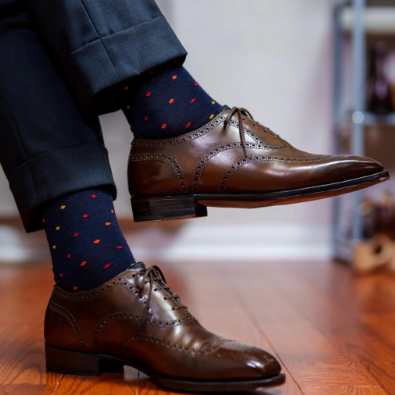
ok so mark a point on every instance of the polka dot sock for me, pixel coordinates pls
(86, 242)
(166, 102)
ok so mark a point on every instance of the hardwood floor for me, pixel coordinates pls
(334, 333)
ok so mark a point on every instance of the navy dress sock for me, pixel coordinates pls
(86, 242)
(166, 102)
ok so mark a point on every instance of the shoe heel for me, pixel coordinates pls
(166, 208)
(74, 362)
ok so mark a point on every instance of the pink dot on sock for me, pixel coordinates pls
(75, 288)
(85, 216)
(108, 265)
(145, 118)
(61, 275)
(69, 256)
(196, 84)
(119, 247)
(93, 196)
(193, 100)
(148, 94)
(76, 234)
(188, 125)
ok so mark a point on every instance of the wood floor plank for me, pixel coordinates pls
(339, 304)
(344, 391)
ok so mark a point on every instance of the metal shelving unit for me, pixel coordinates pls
(358, 118)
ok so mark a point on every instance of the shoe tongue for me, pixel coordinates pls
(224, 108)
(137, 266)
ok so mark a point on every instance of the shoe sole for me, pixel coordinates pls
(162, 208)
(64, 361)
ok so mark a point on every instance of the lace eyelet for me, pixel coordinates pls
(164, 298)
(173, 308)
(155, 290)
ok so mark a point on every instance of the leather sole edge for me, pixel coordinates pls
(161, 208)
(63, 361)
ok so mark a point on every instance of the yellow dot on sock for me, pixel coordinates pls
(213, 102)
(53, 247)
(57, 228)
(62, 207)
(211, 116)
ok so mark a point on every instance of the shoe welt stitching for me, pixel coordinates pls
(264, 158)
(58, 309)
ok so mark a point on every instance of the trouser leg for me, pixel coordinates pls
(99, 44)
(47, 148)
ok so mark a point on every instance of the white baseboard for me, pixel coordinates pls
(238, 242)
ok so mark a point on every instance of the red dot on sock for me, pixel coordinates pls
(75, 288)
(112, 211)
(96, 241)
(119, 247)
(83, 263)
(69, 256)
(193, 100)
(93, 196)
(151, 72)
(148, 94)
(124, 238)
(174, 77)
(163, 126)
(85, 216)
(196, 84)
(43, 220)
(108, 223)
(76, 234)
(108, 265)
(145, 118)
(61, 275)
(188, 125)
(171, 101)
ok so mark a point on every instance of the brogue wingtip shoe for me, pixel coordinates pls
(136, 319)
(234, 161)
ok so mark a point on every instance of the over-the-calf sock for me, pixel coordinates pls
(166, 102)
(86, 242)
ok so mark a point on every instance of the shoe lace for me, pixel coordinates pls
(242, 113)
(156, 279)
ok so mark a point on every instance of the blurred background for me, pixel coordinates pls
(319, 73)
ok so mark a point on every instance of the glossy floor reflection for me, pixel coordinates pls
(333, 332)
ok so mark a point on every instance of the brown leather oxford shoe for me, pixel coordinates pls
(136, 319)
(234, 161)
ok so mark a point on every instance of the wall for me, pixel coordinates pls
(274, 58)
